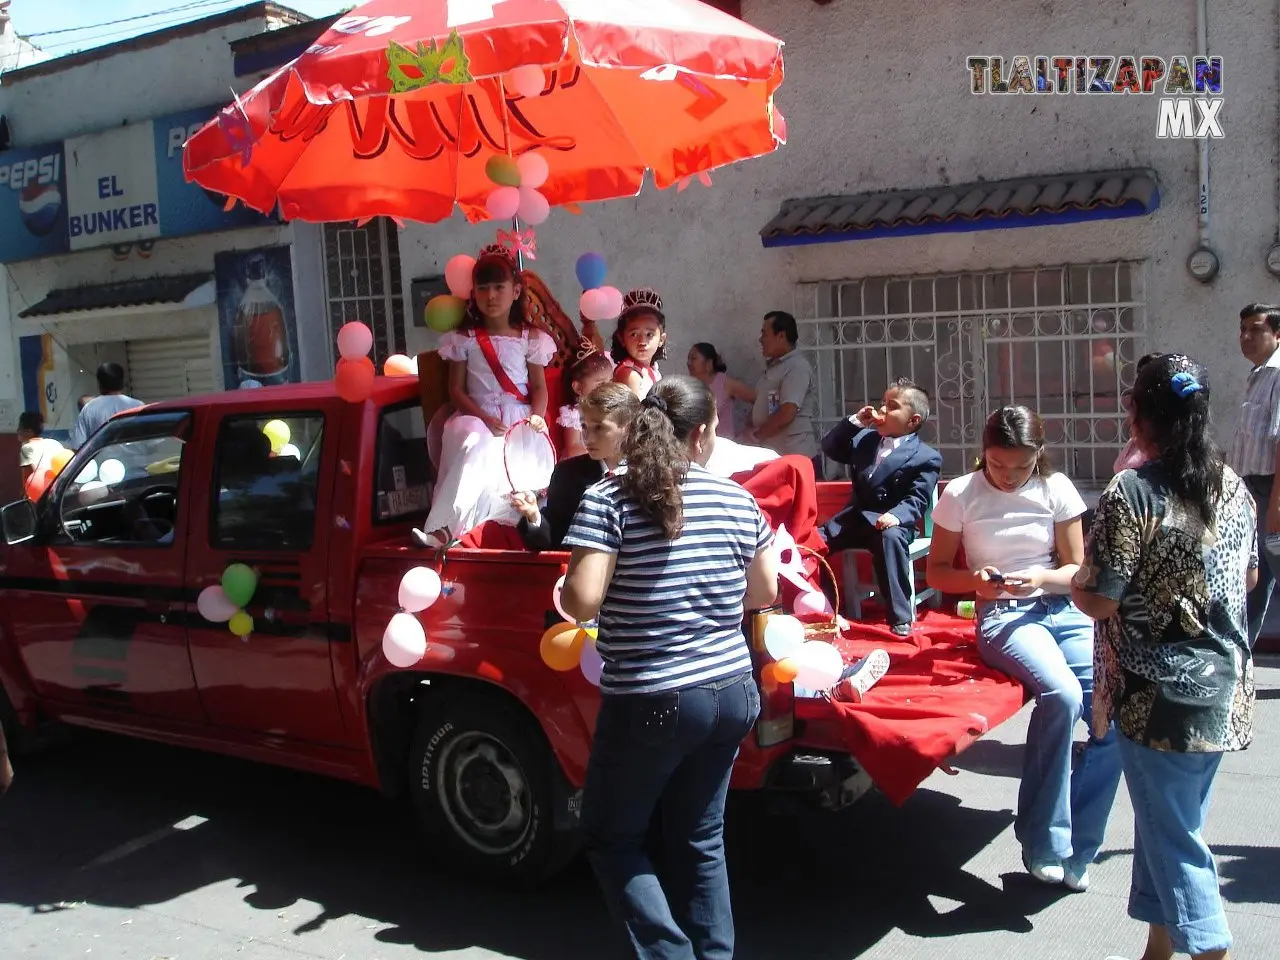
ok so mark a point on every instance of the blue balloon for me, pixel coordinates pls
(591, 270)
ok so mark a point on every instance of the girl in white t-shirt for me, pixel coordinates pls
(1019, 524)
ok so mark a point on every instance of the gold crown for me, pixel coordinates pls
(642, 297)
(585, 349)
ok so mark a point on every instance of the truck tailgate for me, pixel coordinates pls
(937, 698)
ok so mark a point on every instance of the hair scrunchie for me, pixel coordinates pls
(654, 402)
(1184, 384)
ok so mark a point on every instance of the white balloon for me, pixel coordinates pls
(89, 473)
(404, 642)
(819, 665)
(289, 450)
(419, 589)
(95, 491)
(783, 636)
(111, 471)
(555, 599)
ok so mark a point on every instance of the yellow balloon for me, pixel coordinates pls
(561, 646)
(241, 624)
(278, 433)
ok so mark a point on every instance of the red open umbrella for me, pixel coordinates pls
(398, 108)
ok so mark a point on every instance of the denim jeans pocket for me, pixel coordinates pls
(655, 718)
(753, 700)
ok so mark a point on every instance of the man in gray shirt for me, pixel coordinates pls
(102, 408)
(781, 417)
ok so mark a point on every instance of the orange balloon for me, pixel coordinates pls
(354, 379)
(561, 646)
(398, 365)
(59, 461)
(785, 671)
(768, 678)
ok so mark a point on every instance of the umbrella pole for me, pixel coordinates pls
(515, 227)
(506, 136)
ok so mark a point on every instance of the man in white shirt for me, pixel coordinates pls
(782, 415)
(36, 453)
(102, 408)
(1253, 447)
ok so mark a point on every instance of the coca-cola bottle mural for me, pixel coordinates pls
(261, 338)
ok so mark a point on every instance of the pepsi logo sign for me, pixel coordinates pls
(34, 170)
(40, 206)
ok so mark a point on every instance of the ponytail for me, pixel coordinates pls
(1171, 409)
(656, 449)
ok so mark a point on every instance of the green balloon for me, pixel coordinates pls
(238, 583)
(444, 313)
(502, 170)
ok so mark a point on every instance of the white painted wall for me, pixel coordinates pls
(876, 97)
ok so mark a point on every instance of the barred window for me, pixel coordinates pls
(1062, 340)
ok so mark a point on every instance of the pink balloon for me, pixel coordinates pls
(534, 208)
(419, 589)
(457, 273)
(404, 642)
(814, 604)
(503, 203)
(214, 604)
(594, 305)
(533, 170)
(612, 302)
(355, 340)
(591, 664)
(527, 80)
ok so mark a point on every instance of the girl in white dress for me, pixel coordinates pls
(640, 341)
(588, 371)
(496, 380)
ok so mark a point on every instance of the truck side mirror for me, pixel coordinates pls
(19, 521)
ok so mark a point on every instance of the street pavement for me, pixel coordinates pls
(120, 850)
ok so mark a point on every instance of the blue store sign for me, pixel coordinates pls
(112, 187)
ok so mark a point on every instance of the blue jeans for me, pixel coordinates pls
(1047, 644)
(1175, 881)
(1259, 598)
(670, 754)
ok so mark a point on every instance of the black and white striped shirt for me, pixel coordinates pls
(672, 614)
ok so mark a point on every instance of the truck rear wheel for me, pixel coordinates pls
(480, 777)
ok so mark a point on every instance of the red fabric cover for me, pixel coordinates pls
(937, 698)
(492, 535)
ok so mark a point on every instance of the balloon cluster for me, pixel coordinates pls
(445, 312)
(43, 479)
(278, 432)
(516, 181)
(225, 602)
(404, 642)
(814, 664)
(96, 482)
(598, 302)
(571, 644)
(355, 374)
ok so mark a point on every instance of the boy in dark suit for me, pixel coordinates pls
(894, 476)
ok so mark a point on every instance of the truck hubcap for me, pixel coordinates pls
(485, 795)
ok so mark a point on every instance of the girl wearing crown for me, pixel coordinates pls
(640, 341)
(588, 371)
(496, 380)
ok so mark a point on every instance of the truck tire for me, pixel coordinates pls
(480, 779)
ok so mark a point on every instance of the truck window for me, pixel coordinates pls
(266, 488)
(127, 492)
(403, 487)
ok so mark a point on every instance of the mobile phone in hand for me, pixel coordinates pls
(995, 577)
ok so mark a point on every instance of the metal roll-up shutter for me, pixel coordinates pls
(168, 369)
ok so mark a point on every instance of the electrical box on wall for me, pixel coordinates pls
(420, 291)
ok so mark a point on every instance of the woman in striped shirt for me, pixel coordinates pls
(669, 557)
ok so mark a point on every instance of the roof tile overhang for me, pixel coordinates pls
(152, 291)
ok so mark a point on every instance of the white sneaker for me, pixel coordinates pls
(1046, 871)
(869, 671)
(1077, 882)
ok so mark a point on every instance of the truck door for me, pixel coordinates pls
(270, 509)
(96, 600)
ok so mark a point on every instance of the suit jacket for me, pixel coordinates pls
(569, 481)
(902, 484)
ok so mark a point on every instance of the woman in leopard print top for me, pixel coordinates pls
(1172, 553)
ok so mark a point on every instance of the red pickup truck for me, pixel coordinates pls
(99, 625)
